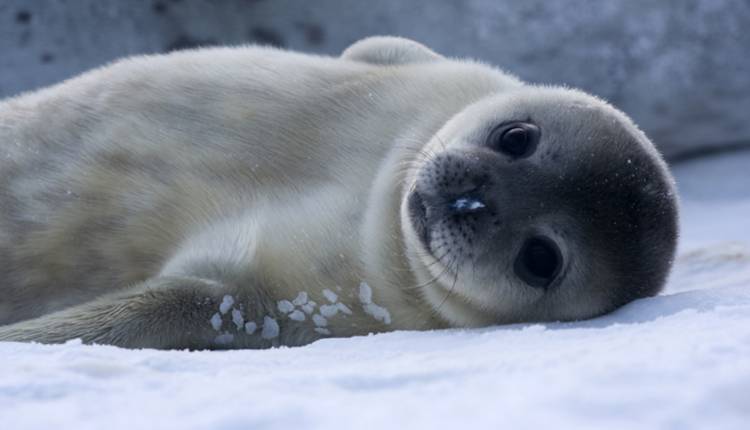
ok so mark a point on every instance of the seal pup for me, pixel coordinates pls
(251, 197)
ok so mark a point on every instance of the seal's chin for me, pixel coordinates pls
(418, 217)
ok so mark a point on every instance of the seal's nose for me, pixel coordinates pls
(454, 190)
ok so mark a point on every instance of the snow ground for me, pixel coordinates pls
(680, 360)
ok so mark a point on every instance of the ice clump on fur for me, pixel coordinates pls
(250, 327)
(297, 315)
(226, 304)
(329, 310)
(378, 312)
(285, 306)
(309, 307)
(343, 308)
(320, 320)
(216, 321)
(365, 293)
(301, 299)
(270, 328)
(238, 319)
(330, 295)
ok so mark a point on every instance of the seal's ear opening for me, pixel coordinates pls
(389, 50)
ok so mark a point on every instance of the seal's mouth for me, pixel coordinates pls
(418, 216)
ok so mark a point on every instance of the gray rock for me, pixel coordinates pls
(679, 67)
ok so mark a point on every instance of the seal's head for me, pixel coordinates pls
(536, 205)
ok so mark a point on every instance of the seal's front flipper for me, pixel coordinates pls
(163, 312)
(389, 50)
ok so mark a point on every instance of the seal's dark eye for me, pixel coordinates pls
(517, 140)
(539, 262)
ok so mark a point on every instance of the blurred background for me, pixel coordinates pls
(680, 68)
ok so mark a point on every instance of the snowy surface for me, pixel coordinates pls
(680, 360)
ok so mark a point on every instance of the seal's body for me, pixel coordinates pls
(250, 197)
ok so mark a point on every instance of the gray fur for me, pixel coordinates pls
(139, 197)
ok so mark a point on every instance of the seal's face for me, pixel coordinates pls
(544, 204)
